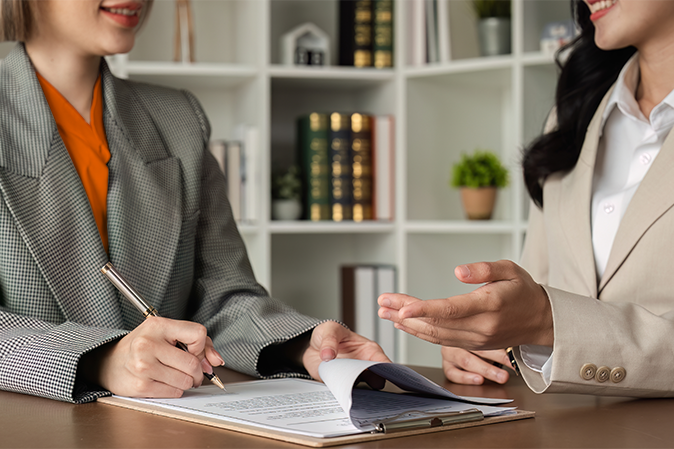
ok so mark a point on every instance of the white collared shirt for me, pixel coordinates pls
(628, 145)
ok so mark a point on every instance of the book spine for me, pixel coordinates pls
(382, 167)
(313, 152)
(340, 166)
(361, 167)
(382, 33)
(359, 300)
(355, 33)
(385, 282)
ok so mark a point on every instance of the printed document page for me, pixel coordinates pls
(310, 408)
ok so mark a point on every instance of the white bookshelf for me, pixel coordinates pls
(440, 111)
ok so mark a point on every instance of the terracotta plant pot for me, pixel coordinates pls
(478, 203)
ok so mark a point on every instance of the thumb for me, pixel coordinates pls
(326, 337)
(483, 272)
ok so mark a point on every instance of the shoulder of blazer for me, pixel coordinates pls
(174, 112)
(26, 122)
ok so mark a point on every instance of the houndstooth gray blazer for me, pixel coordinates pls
(170, 228)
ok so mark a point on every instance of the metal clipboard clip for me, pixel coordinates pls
(392, 425)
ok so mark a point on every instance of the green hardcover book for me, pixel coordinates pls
(382, 33)
(361, 166)
(313, 152)
(340, 166)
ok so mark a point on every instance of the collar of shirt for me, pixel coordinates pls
(624, 98)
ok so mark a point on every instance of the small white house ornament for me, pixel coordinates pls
(305, 44)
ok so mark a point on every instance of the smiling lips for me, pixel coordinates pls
(599, 8)
(126, 14)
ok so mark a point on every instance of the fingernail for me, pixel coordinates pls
(477, 379)
(386, 302)
(386, 315)
(463, 271)
(328, 354)
(207, 368)
(222, 361)
(501, 377)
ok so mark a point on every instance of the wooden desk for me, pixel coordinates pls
(561, 421)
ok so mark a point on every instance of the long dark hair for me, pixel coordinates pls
(585, 77)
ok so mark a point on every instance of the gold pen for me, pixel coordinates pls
(134, 297)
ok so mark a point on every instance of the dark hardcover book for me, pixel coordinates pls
(340, 166)
(361, 167)
(313, 152)
(355, 33)
(382, 33)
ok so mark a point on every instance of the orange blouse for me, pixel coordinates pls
(87, 145)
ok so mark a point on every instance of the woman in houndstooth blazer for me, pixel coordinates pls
(65, 332)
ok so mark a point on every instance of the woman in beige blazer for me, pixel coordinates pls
(591, 308)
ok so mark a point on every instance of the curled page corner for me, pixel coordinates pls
(340, 375)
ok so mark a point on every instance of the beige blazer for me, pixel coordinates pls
(626, 320)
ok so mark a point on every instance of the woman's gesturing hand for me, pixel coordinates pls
(147, 363)
(509, 310)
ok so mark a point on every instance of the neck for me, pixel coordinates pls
(73, 75)
(656, 67)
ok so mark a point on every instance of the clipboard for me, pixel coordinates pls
(307, 440)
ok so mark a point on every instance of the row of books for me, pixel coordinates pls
(366, 33)
(361, 286)
(347, 166)
(239, 161)
(429, 31)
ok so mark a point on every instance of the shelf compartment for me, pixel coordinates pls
(448, 115)
(291, 98)
(224, 32)
(306, 268)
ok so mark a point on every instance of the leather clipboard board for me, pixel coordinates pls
(302, 439)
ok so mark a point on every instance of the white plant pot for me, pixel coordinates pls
(286, 209)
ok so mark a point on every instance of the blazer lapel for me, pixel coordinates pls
(144, 197)
(46, 198)
(651, 200)
(575, 206)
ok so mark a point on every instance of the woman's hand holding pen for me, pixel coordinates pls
(147, 363)
(509, 310)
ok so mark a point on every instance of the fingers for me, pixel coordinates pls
(465, 367)
(396, 301)
(496, 355)
(482, 272)
(146, 362)
(456, 307)
(331, 340)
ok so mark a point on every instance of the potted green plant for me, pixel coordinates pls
(286, 194)
(479, 176)
(493, 26)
